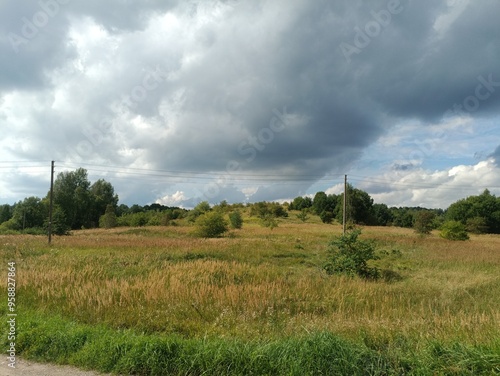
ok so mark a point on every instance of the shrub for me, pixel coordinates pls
(453, 230)
(236, 220)
(423, 224)
(327, 216)
(350, 256)
(303, 215)
(108, 219)
(211, 225)
(269, 221)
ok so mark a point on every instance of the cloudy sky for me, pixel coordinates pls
(246, 100)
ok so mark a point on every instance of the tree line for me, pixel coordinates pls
(78, 203)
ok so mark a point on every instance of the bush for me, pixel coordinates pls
(303, 215)
(236, 220)
(423, 224)
(453, 230)
(211, 225)
(350, 256)
(269, 221)
(327, 216)
(108, 219)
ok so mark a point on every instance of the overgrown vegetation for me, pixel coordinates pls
(211, 225)
(454, 230)
(351, 256)
(318, 353)
(82, 204)
(150, 299)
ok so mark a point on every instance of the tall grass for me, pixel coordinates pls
(260, 290)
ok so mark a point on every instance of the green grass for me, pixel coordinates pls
(124, 351)
(157, 301)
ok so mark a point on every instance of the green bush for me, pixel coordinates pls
(303, 215)
(108, 219)
(236, 220)
(327, 216)
(350, 256)
(454, 230)
(211, 225)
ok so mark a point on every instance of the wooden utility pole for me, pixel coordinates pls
(344, 218)
(51, 203)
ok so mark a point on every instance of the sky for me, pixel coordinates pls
(178, 102)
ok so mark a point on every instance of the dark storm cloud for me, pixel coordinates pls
(266, 86)
(417, 71)
(32, 42)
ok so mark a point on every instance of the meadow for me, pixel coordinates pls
(157, 300)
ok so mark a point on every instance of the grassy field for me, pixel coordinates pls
(156, 300)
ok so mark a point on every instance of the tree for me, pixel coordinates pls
(29, 213)
(102, 195)
(5, 213)
(200, 209)
(320, 202)
(82, 203)
(476, 225)
(485, 206)
(359, 207)
(300, 203)
(382, 215)
(402, 217)
(211, 225)
(71, 194)
(59, 222)
(424, 222)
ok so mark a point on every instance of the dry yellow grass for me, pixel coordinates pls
(261, 283)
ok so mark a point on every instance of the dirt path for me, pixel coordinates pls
(27, 368)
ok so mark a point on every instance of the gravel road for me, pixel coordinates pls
(27, 368)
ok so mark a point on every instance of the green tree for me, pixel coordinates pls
(476, 225)
(5, 213)
(402, 217)
(359, 207)
(59, 222)
(71, 194)
(424, 222)
(29, 213)
(300, 203)
(102, 195)
(485, 206)
(382, 215)
(324, 203)
(200, 209)
(211, 225)
(320, 203)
